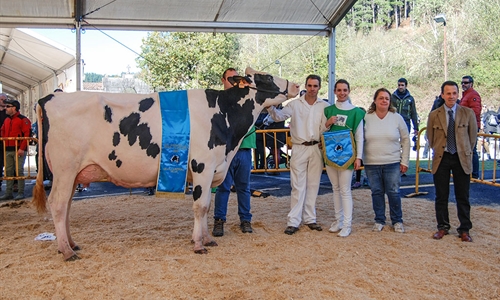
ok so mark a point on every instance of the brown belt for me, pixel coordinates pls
(311, 143)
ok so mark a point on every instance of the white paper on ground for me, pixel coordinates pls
(46, 236)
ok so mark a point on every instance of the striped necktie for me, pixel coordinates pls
(451, 144)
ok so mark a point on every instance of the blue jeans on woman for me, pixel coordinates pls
(385, 180)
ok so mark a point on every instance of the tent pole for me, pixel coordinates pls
(331, 65)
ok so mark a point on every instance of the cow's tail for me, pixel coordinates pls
(39, 195)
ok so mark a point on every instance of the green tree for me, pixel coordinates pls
(291, 56)
(183, 60)
(93, 77)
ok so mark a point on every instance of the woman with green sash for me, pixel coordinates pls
(342, 116)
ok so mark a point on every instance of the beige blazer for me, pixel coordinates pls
(465, 132)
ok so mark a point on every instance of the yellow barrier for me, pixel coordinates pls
(485, 141)
(285, 147)
(29, 170)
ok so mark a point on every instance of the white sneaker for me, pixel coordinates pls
(398, 227)
(345, 232)
(378, 227)
(336, 226)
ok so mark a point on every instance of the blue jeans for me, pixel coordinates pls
(385, 179)
(239, 173)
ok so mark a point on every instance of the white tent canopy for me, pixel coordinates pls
(305, 17)
(248, 16)
(28, 60)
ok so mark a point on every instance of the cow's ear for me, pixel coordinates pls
(240, 81)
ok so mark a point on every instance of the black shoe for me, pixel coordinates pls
(314, 226)
(218, 227)
(19, 197)
(291, 230)
(7, 197)
(246, 226)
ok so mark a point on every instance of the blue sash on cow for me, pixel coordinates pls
(175, 143)
(339, 149)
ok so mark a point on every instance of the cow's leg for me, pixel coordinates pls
(60, 204)
(201, 206)
(72, 243)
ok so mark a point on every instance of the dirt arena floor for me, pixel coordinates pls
(138, 247)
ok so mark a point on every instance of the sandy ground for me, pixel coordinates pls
(138, 247)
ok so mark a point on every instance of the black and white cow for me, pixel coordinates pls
(91, 136)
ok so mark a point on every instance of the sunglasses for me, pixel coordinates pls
(465, 82)
(9, 105)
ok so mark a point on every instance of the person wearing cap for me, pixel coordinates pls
(15, 125)
(3, 116)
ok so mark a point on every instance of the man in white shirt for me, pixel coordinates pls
(306, 164)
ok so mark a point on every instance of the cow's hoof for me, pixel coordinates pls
(75, 248)
(73, 258)
(211, 244)
(201, 251)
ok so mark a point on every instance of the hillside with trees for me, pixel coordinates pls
(378, 42)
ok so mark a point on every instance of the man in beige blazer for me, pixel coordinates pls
(452, 155)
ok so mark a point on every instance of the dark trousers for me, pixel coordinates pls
(475, 162)
(1, 162)
(260, 151)
(451, 163)
(47, 174)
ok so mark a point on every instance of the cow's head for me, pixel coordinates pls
(270, 90)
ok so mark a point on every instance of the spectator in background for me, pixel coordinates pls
(47, 174)
(306, 164)
(405, 105)
(239, 174)
(386, 156)
(472, 100)
(3, 116)
(15, 125)
(452, 134)
(275, 158)
(357, 178)
(260, 151)
(490, 125)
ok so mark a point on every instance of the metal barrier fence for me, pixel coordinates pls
(28, 170)
(487, 144)
(274, 154)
